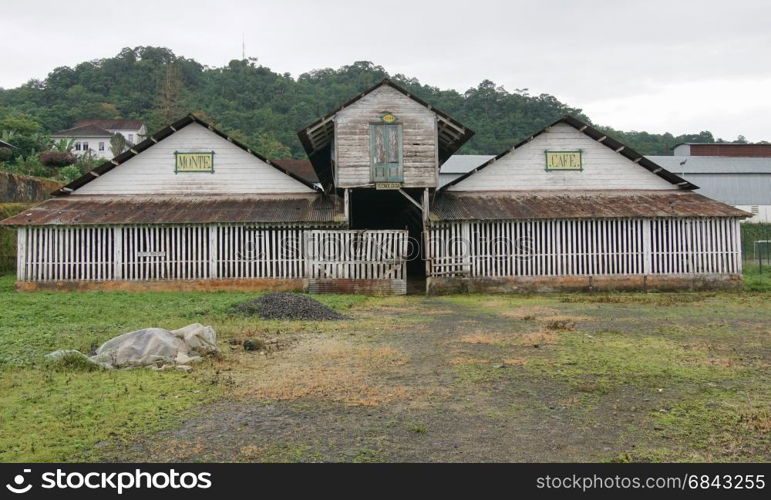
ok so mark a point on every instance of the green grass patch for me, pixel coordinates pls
(59, 411)
(605, 360)
(757, 278)
(49, 416)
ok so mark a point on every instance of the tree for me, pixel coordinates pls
(170, 101)
(117, 144)
(157, 86)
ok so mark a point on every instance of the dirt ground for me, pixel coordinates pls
(627, 377)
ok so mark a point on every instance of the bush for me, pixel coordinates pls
(57, 159)
(70, 173)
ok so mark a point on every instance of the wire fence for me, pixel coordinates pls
(756, 247)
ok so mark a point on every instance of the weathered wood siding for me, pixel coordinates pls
(152, 171)
(525, 167)
(419, 139)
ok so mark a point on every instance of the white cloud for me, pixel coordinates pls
(657, 64)
(726, 107)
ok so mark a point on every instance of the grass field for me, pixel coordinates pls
(600, 377)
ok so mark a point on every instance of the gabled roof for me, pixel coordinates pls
(301, 168)
(4, 144)
(158, 136)
(83, 131)
(111, 124)
(598, 136)
(317, 137)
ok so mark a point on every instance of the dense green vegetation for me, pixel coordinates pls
(259, 106)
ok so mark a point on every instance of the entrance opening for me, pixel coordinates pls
(387, 209)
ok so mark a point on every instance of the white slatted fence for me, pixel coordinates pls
(584, 247)
(357, 255)
(192, 252)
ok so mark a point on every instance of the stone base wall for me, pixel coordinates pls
(540, 284)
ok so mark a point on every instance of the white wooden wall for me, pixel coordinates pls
(525, 167)
(351, 254)
(187, 252)
(585, 247)
(152, 171)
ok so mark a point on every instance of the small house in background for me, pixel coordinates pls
(93, 136)
(736, 174)
(191, 207)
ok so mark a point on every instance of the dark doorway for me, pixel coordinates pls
(388, 209)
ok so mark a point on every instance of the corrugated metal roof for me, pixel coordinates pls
(577, 205)
(713, 164)
(735, 189)
(92, 210)
(119, 124)
(301, 168)
(736, 181)
(460, 164)
(447, 178)
(83, 131)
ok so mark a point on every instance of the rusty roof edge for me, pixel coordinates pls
(127, 209)
(644, 201)
(609, 142)
(157, 137)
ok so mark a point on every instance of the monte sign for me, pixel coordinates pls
(194, 162)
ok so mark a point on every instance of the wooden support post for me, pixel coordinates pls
(737, 244)
(411, 199)
(213, 250)
(425, 206)
(117, 252)
(646, 240)
(306, 253)
(347, 206)
(465, 248)
(21, 254)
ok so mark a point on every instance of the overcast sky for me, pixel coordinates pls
(678, 66)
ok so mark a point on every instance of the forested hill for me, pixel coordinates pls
(265, 109)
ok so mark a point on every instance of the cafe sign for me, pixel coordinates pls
(563, 160)
(194, 162)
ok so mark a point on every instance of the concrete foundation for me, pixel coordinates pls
(359, 286)
(541, 284)
(210, 285)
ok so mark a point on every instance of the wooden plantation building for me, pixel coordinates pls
(192, 208)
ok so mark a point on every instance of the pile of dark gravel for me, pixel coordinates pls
(287, 306)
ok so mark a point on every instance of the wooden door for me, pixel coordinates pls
(386, 152)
